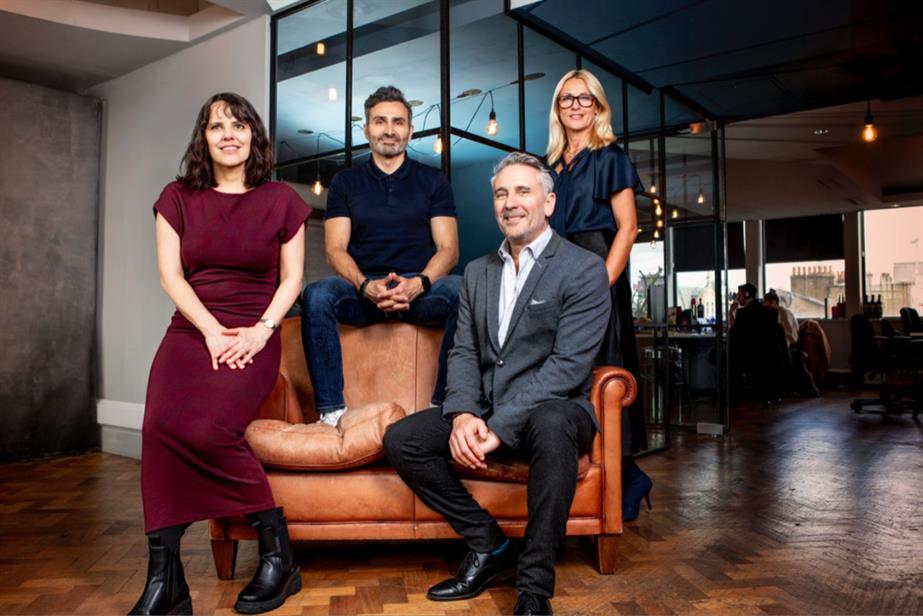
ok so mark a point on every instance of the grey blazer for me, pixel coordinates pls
(556, 329)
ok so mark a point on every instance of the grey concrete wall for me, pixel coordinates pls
(49, 173)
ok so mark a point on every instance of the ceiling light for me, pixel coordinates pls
(820, 131)
(437, 145)
(869, 132)
(355, 119)
(321, 48)
(653, 243)
(332, 93)
(471, 92)
(656, 235)
(700, 199)
(659, 223)
(675, 213)
(318, 188)
(696, 128)
(653, 188)
(895, 205)
(492, 127)
(415, 103)
(657, 209)
(529, 77)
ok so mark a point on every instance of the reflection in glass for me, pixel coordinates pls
(396, 43)
(484, 71)
(307, 120)
(472, 167)
(542, 56)
(894, 257)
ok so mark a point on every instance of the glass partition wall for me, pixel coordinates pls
(480, 78)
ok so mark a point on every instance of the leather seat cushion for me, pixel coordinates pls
(357, 441)
(510, 470)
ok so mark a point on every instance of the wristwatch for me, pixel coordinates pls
(426, 283)
(269, 323)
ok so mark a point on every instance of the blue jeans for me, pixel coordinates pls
(332, 300)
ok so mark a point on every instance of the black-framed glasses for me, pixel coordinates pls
(566, 101)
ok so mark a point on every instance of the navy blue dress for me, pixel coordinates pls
(583, 215)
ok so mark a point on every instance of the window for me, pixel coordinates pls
(894, 257)
(804, 263)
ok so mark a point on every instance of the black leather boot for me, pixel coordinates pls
(278, 576)
(166, 591)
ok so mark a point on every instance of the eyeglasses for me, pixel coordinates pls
(566, 101)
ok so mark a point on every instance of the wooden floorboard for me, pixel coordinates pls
(806, 508)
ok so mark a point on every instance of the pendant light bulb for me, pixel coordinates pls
(492, 126)
(653, 189)
(869, 132)
(674, 214)
(656, 234)
(332, 93)
(321, 48)
(437, 145)
(317, 188)
(658, 211)
(653, 243)
(659, 223)
(701, 198)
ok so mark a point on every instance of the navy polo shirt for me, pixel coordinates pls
(390, 214)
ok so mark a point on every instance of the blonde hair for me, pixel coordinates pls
(601, 134)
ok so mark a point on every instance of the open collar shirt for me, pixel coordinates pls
(511, 281)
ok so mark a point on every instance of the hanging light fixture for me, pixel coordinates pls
(492, 126)
(332, 93)
(658, 211)
(656, 234)
(653, 188)
(700, 199)
(674, 214)
(660, 223)
(869, 132)
(317, 188)
(437, 145)
(321, 48)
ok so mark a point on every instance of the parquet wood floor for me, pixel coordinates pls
(806, 508)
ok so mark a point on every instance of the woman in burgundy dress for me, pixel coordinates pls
(230, 250)
(595, 183)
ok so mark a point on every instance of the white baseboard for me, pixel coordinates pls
(120, 427)
(119, 414)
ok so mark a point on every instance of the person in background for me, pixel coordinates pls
(596, 183)
(786, 317)
(756, 347)
(230, 250)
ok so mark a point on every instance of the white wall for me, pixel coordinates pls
(148, 118)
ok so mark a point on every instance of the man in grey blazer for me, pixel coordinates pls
(531, 319)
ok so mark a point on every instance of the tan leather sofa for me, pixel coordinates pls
(397, 362)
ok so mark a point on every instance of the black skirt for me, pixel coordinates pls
(619, 346)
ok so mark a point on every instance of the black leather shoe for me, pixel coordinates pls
(530, 604)
(277, 577)
(166, 591)
(477, 570)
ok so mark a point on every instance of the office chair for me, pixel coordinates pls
(910, 321)
(887, 356)
(887, 330)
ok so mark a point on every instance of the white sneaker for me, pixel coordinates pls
(332, 418)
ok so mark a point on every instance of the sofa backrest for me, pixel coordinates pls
(388, 362)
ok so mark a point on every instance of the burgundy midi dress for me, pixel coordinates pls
(195, 462)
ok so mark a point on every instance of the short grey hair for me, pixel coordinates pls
(521, 158)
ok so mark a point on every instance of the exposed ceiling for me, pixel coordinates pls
(784, 62)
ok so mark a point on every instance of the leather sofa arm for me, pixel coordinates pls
(613, 390)
(282, 403)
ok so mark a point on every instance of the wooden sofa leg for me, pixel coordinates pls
(224, 552)
(606, 553)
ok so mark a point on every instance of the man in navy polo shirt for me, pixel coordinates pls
(391, 237)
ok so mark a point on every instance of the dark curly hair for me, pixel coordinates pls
(196, 170)
(386, 94)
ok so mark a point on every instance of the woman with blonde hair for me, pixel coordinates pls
(595, 183)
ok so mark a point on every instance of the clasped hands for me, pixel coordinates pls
(471, 440)
(236, 346)
(393, 293)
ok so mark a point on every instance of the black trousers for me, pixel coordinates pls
(555, 436)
